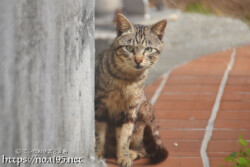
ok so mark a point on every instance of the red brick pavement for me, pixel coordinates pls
(185, 103)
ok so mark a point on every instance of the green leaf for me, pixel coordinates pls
(242, 161)
(228, 159)
(248, 150)
(244, 154)
(242, 141)
(234, 154)
(240, 136)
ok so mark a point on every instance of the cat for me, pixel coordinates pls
(125, 122)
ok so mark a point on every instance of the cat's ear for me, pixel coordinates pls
(123, 24)
(159, 28)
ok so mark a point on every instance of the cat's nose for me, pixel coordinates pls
(138, 61)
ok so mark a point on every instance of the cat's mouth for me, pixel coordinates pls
(138, 67)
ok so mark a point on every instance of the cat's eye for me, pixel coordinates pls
(148, 50)
(130, 48)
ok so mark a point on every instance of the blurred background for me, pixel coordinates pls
(195, 27)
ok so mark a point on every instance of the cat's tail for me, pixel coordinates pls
(153, 145)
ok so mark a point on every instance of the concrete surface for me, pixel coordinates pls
(188, 36)
(46, 78)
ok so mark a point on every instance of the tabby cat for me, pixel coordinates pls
(125, 122)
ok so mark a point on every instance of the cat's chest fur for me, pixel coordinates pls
(121, 96)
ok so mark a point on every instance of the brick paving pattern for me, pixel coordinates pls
(185, 104)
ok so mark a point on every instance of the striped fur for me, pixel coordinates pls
(121, 109)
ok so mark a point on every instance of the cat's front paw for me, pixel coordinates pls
(125, 162)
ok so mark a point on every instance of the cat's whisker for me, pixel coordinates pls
(154, 68)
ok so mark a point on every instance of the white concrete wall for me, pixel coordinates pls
(47, 77)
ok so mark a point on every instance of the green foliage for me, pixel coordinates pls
(246, 17)
(197, 7)
(241, 158)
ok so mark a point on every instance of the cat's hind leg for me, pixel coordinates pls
(136, 155)
(100, 135)
(100, 128)
(133, 154)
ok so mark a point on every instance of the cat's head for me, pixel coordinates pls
(137, 47)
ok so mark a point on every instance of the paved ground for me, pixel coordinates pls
(209, 95)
